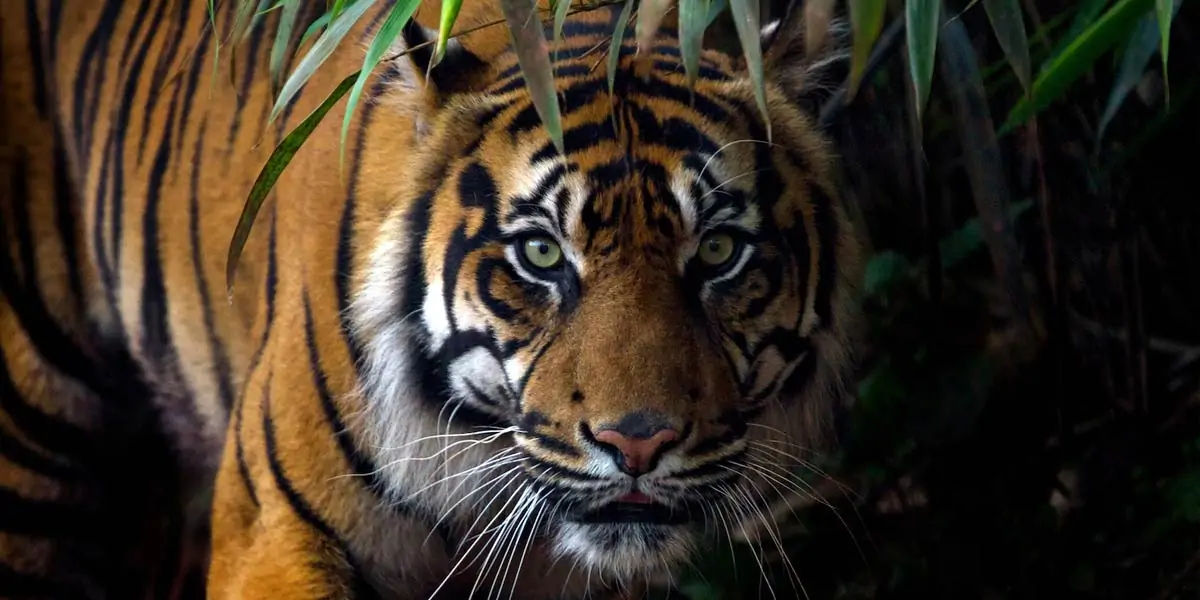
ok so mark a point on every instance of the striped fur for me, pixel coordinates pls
(393, 403)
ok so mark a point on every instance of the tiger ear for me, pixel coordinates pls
(457, 69)
(806, 52)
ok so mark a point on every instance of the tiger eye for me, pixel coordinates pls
(542, 252)
(716, 249)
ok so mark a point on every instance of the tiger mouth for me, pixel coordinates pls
(620, 511)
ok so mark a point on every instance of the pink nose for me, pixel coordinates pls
(639, 453)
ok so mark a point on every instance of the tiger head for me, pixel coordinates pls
(638, 327)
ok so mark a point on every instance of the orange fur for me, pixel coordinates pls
(260, 390)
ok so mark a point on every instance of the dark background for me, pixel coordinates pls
(1027, 415)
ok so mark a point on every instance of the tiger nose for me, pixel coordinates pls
(639, 442)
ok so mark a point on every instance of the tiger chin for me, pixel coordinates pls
(470, 363)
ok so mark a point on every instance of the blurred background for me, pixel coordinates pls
(1027, 413)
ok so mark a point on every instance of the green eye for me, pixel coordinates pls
(542, 252)
(716, 249)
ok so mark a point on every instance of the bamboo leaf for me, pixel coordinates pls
(560, 16)
(1085, 14)
(449, 15)
(336, 9)
(276, 163)
(314, 28)
(745, 20)
(283, 36)
(241, 21)
(921, 25)
(400, 13)
(614, 45)
(692, 17)
(715, 8)
(1165, 9)
(212, 23)
(1112, 27)
(320, 51)
(650, 15)
(982, 160)
(1009, 26)
(1138, 51)
(866, 21)
(529, 42)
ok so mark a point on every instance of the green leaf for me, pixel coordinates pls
(745, 20)
(336, 9)
(1165, 9)
(449, 15)
(715, 8)
(320, 51)
(212, 23)
(960, 243)
(529, 42)
(276, 163)
(1009, 26)
(1139, 49)
(866, 21)
(884, 270)
(400, 13)
(1085, 14)
(692, 17)
(1077, 58)
(241, 21)
(614, 45)
(650, 15)
(921, 25)
(560, 16)
(982, 160)
(314, 28)
(283, 36)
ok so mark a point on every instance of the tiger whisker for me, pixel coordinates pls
(722, 149)
(467, 553)
(773, 530)
(497, 480)
(490, 431)
(730, 180)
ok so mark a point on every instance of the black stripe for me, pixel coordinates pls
(827, 239)
(156, 328)
(252, 60)
(115, 154)
(16, 452)
(359, 464)
(199, 60)
(215, 345)
(559, 470)
(268, 297)
(92, 61)
(576, 139)
(301, 506)
(65, 217)
(166, 59)
(47, 337)
(33, 29)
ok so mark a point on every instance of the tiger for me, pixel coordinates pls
(462, 362)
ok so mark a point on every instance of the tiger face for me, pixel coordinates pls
(629, 322)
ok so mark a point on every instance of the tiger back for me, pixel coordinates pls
(463, 363)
